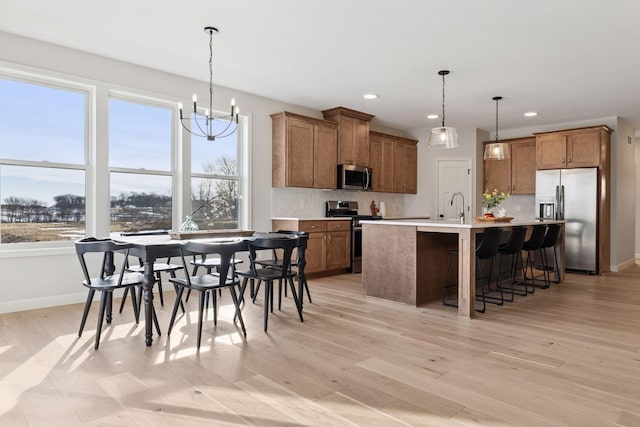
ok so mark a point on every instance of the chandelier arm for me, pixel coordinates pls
(228, 134)
(190, 131)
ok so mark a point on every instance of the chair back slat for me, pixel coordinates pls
(285, 244)
(225, 250)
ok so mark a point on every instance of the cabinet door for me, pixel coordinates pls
(325, 156)
(315, 254)
(583, 150)
(405, 167)
(523, 168)
(338, 247)
(362, 146)
(347, 141)
(299, 155)
(375, 161)
(411, 168)
(551, 151)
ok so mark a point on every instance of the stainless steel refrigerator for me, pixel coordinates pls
(572, 195)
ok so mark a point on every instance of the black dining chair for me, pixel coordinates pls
(107, 279)
(300, 263)
(205, 284)
(268, 275)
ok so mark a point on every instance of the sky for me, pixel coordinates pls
(39, 123)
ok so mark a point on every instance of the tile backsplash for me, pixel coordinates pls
(310, 203)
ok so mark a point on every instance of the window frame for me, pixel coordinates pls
(89, 92)
(175, 171)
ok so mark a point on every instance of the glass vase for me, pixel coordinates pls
(189, 225)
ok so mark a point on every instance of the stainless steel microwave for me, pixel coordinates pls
(352, 177)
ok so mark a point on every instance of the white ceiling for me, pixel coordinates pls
(567, 59)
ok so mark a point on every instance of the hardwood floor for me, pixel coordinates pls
(569, 355)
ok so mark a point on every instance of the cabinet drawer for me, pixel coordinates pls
(313, 226)
(338, 225)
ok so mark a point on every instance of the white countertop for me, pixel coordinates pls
(453, 223)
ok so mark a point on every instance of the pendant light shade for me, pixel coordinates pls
(496, 150)
(443, 137)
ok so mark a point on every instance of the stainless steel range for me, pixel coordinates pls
(348, 209)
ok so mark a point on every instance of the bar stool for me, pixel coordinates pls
(486, 249)
(513, 249)
(531, 246)
(550, 241)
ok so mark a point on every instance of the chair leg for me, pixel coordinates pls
(306, 287)
(173, 276)
(159, 280)
(280, 294)
(238, 314)
(267, 286)
(87, 306)
(214, 303)
(255, 290)
(296, 298)
(176, 304)
(103, 303)
(134, 303)
(155, 320)
(124, 298)
(200, 314)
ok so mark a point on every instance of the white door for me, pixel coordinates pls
(454, 176)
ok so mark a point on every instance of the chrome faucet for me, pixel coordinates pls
(461, 214)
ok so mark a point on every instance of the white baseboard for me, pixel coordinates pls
(626, 264)
(43, 302)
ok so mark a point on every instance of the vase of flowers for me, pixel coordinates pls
(491, 200)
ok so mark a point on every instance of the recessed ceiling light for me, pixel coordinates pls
(432, 116)
(369, 96)
(530, 114)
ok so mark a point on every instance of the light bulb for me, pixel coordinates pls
(443, 135)
(194, 98)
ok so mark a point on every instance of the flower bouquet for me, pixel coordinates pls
(491, 200)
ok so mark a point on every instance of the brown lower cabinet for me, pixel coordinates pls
(329, 246)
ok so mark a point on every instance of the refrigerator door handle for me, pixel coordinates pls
(561, 206)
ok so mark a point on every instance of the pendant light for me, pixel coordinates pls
(203, 125)
(496, 150)
(443, 137)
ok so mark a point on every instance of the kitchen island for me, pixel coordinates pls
(406, 260)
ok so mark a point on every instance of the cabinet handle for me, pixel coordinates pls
(569, 159)
(563, 161)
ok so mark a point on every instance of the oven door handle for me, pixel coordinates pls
(366, 178)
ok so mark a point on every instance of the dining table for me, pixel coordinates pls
(150, 246)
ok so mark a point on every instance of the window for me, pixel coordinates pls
(43, 136)
(140, 162)
(215, 180)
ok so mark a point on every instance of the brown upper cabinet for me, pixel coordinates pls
(304, 151)
(405, 159)
(381, 161)
(353, 135)
(572, 148)
(517, 174)
(394, 163)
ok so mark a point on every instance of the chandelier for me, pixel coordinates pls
(206, 125)
(496, 150)
(443, 137)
